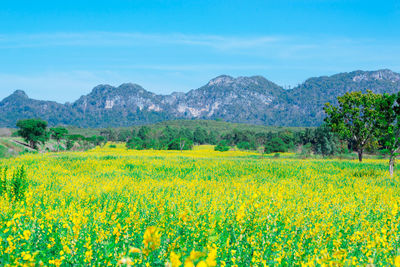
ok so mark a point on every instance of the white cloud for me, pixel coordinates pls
(132, 39)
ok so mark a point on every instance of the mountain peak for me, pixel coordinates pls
(19, 93)
(378, 75)
(221, 80)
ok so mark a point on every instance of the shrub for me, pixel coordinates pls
(69, 144)
(19, 184)
(274, 145)
(135, 143)
(244, 145)
(222, 146)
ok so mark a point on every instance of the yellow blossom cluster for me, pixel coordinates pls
(112, 206)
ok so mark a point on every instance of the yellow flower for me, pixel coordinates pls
(202, 264)
(397, 261)
(134, 250)
(211, 257)
(151, 239)
(26, 234)
(194, 255)
(188, 263)
(174, 258)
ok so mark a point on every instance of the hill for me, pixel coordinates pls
(253, 100)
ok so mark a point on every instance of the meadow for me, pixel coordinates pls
(112, 206)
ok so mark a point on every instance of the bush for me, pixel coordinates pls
(222, 146)
(69, 144)
(135, 143)
(274, 145)
(180, 144)
(244, 145)
(19, 183)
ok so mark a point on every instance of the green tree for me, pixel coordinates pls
(58, 133)
(355, 118)
(200, 135)
(135, 143)
(34, 131)
(324, 141)
(222, 146)
(274, 145)
(389, 124)
(180, 144)
(144, 132)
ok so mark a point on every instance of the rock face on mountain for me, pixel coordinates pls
(243, 99)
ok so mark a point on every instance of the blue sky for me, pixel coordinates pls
(60, 50)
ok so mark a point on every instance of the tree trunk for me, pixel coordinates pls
(360, 155)
(391, 164)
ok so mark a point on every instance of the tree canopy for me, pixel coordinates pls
(34, 131)
(355, 118)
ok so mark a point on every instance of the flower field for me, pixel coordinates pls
(112, 206)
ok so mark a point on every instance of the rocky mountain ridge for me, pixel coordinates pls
(243, 99)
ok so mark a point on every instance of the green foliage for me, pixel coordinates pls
(58, 133)
(180, 144)
(306, 150)
(135, 143)
(389, 126)
(325, 141)
(222, 146)
(69, 144)
(356, 118)
(96, 140)
(3, 181)
(143, 132)
(34, 131)
(200, 135)
(75, 137)
(275, 144)
(244, 145)
(19, 183)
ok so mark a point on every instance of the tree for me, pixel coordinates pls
(244, 145)
(135, 143)
(222, 146)
(34, 131)
(144, 132)
(274, 145)
(180, 144)
(324, 141)
(200, 135)
(389, 124)
(124, 135)
(355, 118)
(109, 134)
(58, 133)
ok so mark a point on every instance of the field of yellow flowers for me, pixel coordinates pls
(112, 206)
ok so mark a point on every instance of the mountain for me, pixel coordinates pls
(310, 97)
(253, 100)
